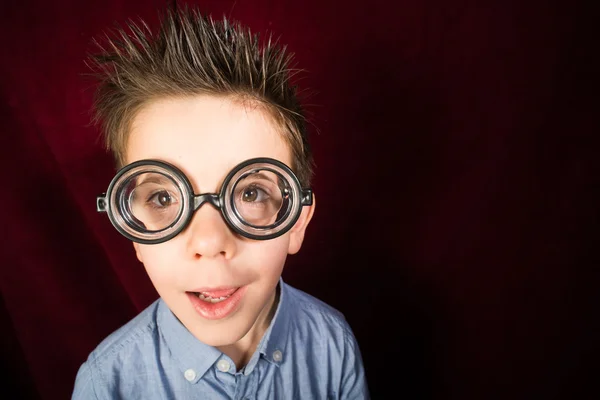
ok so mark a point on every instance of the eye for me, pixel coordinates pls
(253, 193)
(161, 199)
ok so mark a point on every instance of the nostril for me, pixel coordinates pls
(198, 256)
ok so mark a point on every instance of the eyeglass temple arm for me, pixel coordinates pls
(307, 197)
(101, 203)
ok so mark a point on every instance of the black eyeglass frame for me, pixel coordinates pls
(195, 201)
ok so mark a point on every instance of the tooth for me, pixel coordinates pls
(209, 299)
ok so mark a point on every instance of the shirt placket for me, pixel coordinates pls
(246, 385)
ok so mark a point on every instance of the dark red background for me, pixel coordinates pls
(456, 183)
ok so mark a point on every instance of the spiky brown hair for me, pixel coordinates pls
(190, 55)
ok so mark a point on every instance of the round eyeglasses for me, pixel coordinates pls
(151, 201)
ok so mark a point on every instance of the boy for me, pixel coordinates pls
(202, 114)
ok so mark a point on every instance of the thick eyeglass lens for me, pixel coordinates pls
(261, 198)
(153, 200)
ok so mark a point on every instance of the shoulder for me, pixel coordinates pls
(309, 302)
(321, 341)
(116, 353)
(316, 315)
(139, 331)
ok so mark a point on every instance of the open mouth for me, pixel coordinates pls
(212, 297)
(216, 303)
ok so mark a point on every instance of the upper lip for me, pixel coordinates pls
(213, 289)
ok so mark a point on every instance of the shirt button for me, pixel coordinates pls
(223, 365)
(277, 356)
(190, 374)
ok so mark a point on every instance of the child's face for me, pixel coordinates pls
(205, 137)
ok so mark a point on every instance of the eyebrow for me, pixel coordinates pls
(155, 179)
(262, 176)
(275, 179)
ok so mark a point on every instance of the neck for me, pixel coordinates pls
(241, 351)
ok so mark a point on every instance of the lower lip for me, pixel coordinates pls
(218, 310)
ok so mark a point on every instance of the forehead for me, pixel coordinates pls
(205, 136)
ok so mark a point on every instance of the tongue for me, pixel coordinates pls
(219, 293)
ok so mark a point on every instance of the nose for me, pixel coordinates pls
(209, 236)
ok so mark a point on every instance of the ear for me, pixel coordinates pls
(297, 232)
(138, 253)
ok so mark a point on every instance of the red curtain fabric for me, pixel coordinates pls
(457, 201)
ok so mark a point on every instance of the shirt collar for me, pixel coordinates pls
(272, 346)
(189, 352)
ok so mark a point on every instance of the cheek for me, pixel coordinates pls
(267, 257)
(159, 263)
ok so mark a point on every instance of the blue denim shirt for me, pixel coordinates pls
(308, 352)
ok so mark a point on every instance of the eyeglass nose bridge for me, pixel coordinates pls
(211, 198)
